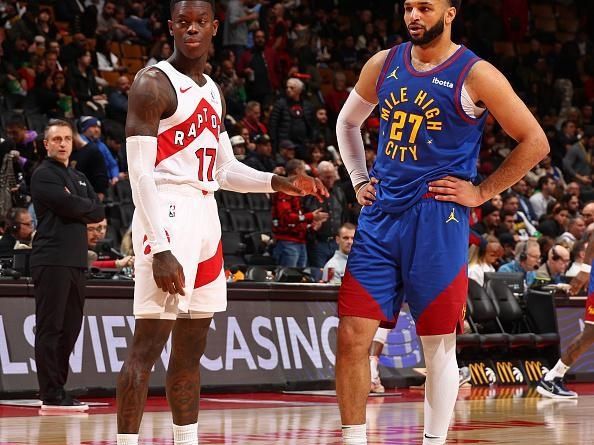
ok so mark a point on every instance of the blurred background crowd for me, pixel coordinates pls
(286, 68)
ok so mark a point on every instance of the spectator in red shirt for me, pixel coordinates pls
(290, 224)
(337, 96)
(251, 120)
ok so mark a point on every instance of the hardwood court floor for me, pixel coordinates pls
(502, 416)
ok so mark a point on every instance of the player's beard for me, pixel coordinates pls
(429, 35)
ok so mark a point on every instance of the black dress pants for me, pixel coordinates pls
(59, 300)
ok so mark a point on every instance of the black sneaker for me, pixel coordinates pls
(554, 389)
(65, 404)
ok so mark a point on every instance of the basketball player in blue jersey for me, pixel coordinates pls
(433, 96)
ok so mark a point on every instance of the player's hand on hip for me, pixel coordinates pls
(456, 190)
(168, 273)
(366, 193)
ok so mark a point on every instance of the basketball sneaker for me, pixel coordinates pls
(377, 387)
(64, 404)
(463, 375)
(554, 389)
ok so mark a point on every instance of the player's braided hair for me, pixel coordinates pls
(212, 3)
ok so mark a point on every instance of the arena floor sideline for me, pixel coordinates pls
(503, 416)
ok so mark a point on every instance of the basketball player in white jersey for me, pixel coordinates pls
(178, 154)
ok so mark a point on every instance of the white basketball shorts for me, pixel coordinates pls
(191, 220)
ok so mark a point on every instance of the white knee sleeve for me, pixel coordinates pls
(441, 386)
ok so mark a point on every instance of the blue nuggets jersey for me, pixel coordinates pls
(424, 132)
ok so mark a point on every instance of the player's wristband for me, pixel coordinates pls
(585, 268)
(363, 184)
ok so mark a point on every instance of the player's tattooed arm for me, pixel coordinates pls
(151, 98)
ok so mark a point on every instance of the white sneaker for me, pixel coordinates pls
(463, 375)
(377, 387)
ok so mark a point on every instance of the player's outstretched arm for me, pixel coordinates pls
(235, 176)
(151, 97)
(487, 85)
(356, 109)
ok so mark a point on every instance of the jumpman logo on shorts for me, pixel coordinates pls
(452, 217)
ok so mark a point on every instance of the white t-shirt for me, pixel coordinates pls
(477, 271)
(338, 262)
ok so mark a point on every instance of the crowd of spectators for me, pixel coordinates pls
(286, 68)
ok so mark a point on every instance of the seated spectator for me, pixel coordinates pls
(546, 167)
(238, 144)
(522, 225)
(481, 258)
(553, 270)
(18, 232)
(106, 59)
(286, 152)
(557, 224)
(117, 101)
(575, 232)
(526, 262)
(322, 240)
(251, 120)
(543, 197)
(45, 97)
(335, 267)
(491, 220)
(571, 203)
(261, 158)
(576, 163)
(90, 131)
(523, 192)
(337, 96)
(161, 52)
(588, 213)
(138, 23)
(290, 223)
(87, 158)
(577, 256)
(90, 99)
(96, 233)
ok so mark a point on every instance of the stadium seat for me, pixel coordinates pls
(225, 220)
(264, 219)
(482, 317)
(233, 200)
(510, 314)
(258, 201)
(132, 51)
(123, 190)
(243, 221)
(232, 243)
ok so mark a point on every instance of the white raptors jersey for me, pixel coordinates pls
(188, 140)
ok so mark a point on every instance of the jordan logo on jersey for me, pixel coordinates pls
(393, 74)
(452, 216)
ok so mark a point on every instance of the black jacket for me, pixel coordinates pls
(91, 163)
(62, 217)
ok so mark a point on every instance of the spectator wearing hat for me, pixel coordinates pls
(491, 220)
(543, 198)
(238, 144)
(286, 152)
(261, 158)
(88, 159)
(90, 131)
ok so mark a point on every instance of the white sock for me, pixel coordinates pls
(373, 360)
(558, 370)
(127, 439)
(185, 434)
(441, 386)
(354, 434)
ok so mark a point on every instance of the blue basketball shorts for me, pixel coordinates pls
(420, 255)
